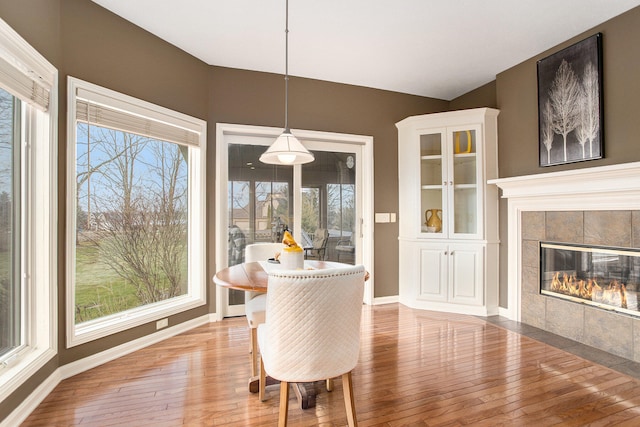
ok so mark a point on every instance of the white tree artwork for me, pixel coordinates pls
(570, 104)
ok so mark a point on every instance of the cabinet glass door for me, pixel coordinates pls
(464, 184)
(431, 183)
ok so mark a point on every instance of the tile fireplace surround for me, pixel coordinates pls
(591, 206)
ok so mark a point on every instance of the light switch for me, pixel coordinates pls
(382, 217)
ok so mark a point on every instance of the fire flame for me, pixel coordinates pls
(614, 294)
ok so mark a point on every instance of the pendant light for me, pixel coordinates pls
(286, 149)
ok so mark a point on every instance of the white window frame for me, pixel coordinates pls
(39, 214)
(227, 133)
(196, 277)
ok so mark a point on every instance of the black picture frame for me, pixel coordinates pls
(570, 104)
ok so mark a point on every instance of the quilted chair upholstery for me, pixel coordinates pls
(312, 330)
(254, 302)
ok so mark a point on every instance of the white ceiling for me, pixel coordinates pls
(435, 48)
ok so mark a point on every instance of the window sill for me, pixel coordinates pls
(100, 328)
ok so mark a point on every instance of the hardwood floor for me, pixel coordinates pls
(416, 368)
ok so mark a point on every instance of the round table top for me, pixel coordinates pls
(250, 276)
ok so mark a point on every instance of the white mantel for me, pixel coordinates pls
(615, 187)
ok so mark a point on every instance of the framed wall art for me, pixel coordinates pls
(570, 113)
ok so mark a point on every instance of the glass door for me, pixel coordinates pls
(449, 182)
(433, 183)
(317, 202)
(259, 207)
(329, 208)
(464, 179)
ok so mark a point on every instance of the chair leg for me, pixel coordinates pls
(284, 404)
(349, 401)
(329, 384)
(254, 351)
(262, 383)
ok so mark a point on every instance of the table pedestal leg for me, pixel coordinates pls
(305, 392)
(254, 383)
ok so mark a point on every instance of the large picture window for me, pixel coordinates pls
(11, 292)
(28, 220)
(138, 226)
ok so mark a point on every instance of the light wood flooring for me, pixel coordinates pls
(416, 368)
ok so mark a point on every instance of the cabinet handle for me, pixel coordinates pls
(451, 253)
(450, 182)
(446, 252)
(444, 182)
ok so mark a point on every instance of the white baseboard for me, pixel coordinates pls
(385, 300)
(98, 359)
(21, 413)
(28, 405)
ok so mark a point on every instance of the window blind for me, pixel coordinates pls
(24, 84)
(100, 109)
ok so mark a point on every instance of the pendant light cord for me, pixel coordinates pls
(286, 149)
(286, 69)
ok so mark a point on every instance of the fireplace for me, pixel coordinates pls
(599, 276)
(587, 207)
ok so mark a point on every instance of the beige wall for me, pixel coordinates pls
(88, 42)
(517, 100)
(257, 98)
(102, 48)
(85, 41)
(516, 92)
(484, 96)
(41, 28)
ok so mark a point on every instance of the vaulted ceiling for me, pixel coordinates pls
(434, 48)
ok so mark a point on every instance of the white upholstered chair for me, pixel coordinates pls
(312, 330)
(254, 302)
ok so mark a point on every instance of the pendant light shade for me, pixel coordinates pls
(286, 149)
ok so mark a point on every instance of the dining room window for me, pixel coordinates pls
(28, 220)
(11, 289)
(137, 221)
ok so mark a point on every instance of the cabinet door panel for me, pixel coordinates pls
(466, 275)
(433, 274)
(432, 180)
(464, 177)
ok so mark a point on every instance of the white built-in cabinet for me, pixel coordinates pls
(444, 162)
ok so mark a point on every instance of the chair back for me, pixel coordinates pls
(312, 327)
(261, 251)
(320, 238)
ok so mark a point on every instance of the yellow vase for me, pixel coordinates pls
(433, 218)
(457, 148)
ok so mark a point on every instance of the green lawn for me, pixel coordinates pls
(99, 290)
